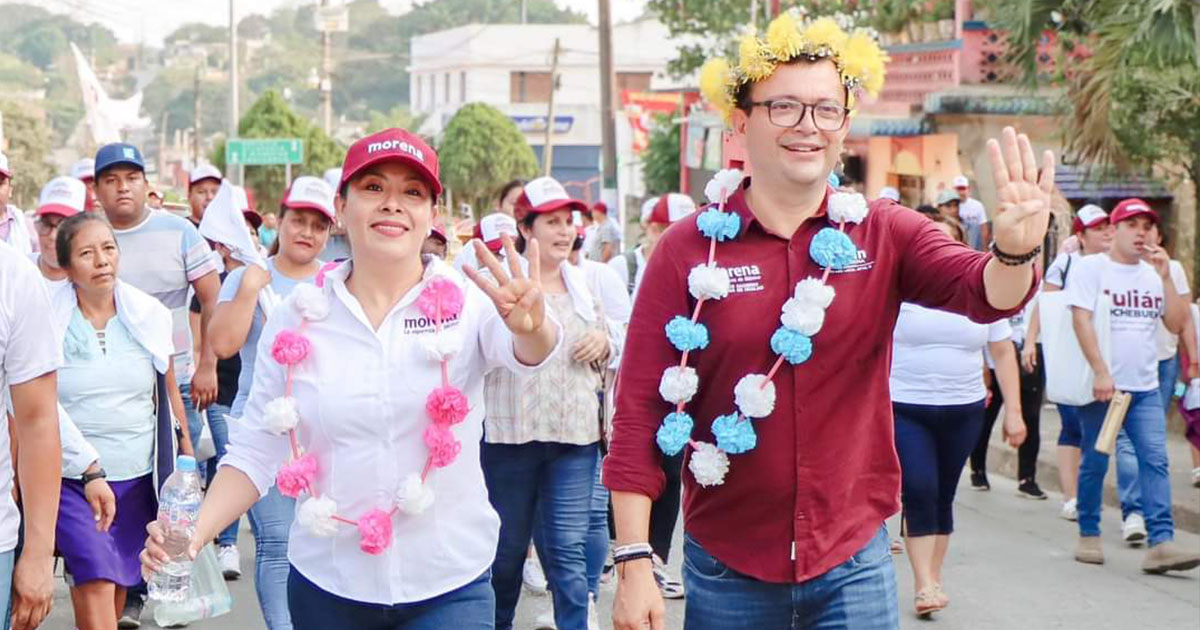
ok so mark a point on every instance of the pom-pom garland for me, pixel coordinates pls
(723, 184)
(440, 300)
(802, 315)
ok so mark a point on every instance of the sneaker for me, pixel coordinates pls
(608, 573)
(532, 575)
(671, 587)
(1168, 556)
(593, 613)
(1089, 550)
(1070, 510)
(545, 620)
(1196, 477)
(131, 617)
(1133, 530)
(1030, 490)
(231, 561)
(979, 481)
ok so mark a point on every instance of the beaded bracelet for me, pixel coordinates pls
(1012, 260)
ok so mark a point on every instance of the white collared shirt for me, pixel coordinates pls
(19, 235)
(361, 396)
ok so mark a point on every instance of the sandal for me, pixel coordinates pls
(941, 595)
(897, 547)
(927, 602)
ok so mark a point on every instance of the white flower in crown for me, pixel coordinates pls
(678, 384)
(847, 207)
(441, 346)
(414, 495)
(708, 283)
(813, 292)
(802, 317)
(311, 302)
(316, 516)
(723, 184)
(753, 398)
(281, 415)
(708, 464)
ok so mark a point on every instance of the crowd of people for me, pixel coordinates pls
(417, 431)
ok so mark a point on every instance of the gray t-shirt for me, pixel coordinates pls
(607, 232)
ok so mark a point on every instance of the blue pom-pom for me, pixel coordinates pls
(674, 433)
(832, 248)
(723, 226)
(834, 180)
(734, 435)
(685, 335)
(795, 347)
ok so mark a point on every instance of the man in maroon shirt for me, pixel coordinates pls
(794, 536)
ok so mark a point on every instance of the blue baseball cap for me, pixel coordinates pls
(118, 153)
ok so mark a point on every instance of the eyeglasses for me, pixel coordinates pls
(44, 228)
(826, 115)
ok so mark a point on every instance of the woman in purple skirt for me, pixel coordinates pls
(117, 350)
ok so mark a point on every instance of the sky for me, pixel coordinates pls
(149, 21)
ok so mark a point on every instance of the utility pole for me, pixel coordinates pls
(607, 105)
(754, 14)
(524, 12)
(548, 147)
(162, 148)
(234, 116)
(196, 118)
(327, 77)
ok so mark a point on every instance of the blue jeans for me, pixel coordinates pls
(271, 520)
(217, 423)
(597, 535)
(1128, 489)
(1146, 425)
(195, 422)
(1168, 376)
(859, 594)
(556, 480)
(471, 607)
(8, 560)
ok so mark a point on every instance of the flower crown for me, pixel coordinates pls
(855, 51)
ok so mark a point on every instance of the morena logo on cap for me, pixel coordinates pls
(388, 145)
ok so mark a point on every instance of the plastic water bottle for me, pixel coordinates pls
(178, 506)
(194, 609)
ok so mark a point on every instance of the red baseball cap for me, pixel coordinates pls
(600, 206)
(438, 233)
(63, 196)
(399, 145)
(493, 227)
(668, 209)
(253, 218)
(1089, 216)
(1130, 208)
(542, 195)
(310, 193)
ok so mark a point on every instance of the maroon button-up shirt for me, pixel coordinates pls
(825, 474)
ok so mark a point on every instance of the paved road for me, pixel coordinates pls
(1010, 568)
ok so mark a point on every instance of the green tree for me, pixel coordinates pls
(270, 117)
(481, 149)
(660, 162)
(28, 144)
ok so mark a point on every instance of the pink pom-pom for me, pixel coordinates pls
(443, 446)
(444, 291)
(297, 476)
(326, 268)
(290, 347)
(447, 406)
(375, 532)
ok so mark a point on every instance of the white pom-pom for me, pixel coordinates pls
(708, 283)
(414, 496)
(754, 399)
(847, 207)
(708, 464)
(802, 317)
(723, 184)
(441, 346)
(678, 384)
(813, 292)
(281, 415)
(316, 516)
(311, 302)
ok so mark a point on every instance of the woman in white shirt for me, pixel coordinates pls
(370, 389)
(116, 345)
(542, 434)
(938, 399)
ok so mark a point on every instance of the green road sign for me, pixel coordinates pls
(261, 152)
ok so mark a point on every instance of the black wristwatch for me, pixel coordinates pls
(90, 477)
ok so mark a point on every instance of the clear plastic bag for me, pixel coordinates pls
(208, 596)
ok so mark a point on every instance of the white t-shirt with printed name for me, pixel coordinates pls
(1167, 343)
(1134, 296)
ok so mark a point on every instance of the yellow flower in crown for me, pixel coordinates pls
(855, 52)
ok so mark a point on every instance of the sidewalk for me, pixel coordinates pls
(1185, 499)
